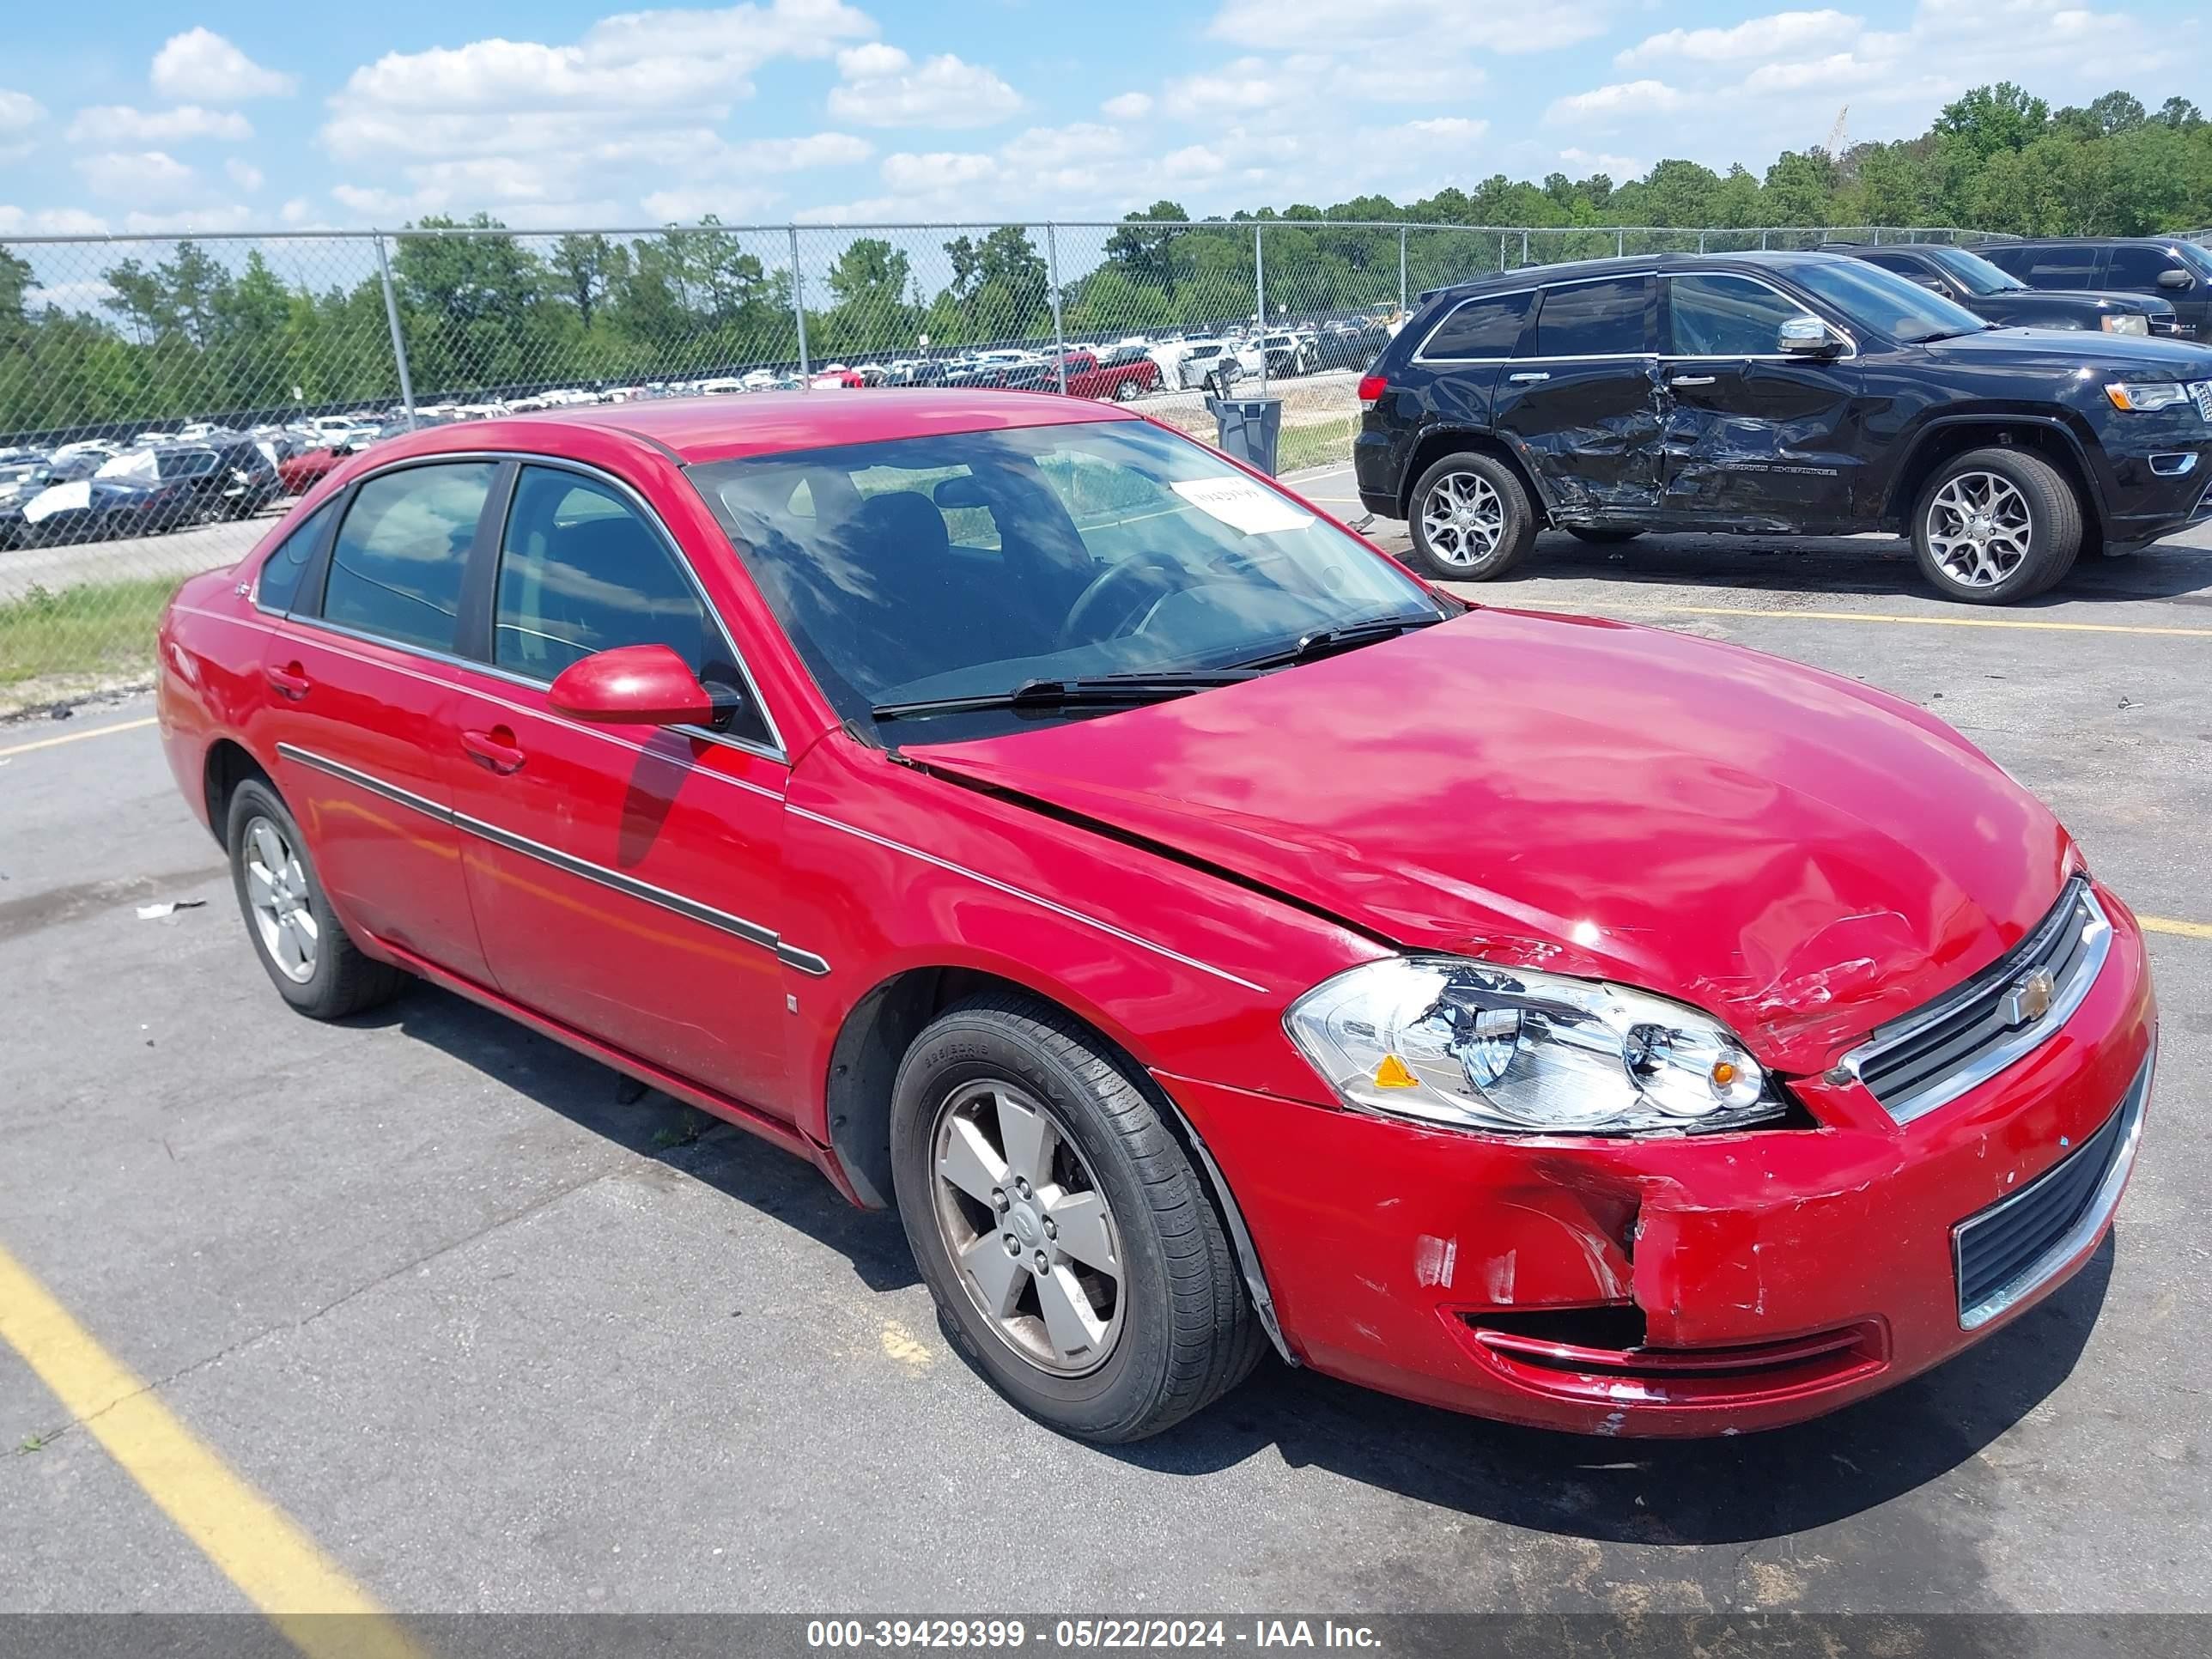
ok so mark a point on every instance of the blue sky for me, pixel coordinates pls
(140, 115)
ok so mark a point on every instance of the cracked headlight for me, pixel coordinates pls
(1478, 1047)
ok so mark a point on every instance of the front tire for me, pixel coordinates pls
(1072, 1250)
(1125, 392)
(1471, 519)
(1995, 526)
(305, 951)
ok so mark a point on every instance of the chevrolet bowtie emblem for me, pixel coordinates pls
(2029, 998)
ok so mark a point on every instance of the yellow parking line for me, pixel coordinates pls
(2167, 925)
(1748, 613)
(256, 1547)
(77, 737)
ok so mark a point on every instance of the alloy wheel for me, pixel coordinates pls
(1462, 519)
(1031, 1236)
(277, 891)
(1979, 528)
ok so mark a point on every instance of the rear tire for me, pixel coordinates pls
(305, 949)
(1029, 1165)
(1471, 519)
(1601, 536)
(1995, 526)
(1125, 392)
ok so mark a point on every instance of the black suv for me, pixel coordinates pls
(1994, 293)
(2171, 267)
(1776, 394)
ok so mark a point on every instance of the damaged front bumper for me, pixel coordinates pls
(1680, 1286)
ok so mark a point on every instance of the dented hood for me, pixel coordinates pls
(1789, 850)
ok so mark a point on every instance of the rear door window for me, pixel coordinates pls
(2060, 267)
(1605, 318)
(1482, 327)
(280, 571)
(396, 566)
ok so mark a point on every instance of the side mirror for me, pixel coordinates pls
(633, 685)
(1805, 337)
(2171, 278)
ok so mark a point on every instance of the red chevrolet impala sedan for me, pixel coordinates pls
(1207, 935)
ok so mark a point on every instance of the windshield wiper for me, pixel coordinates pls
(1100, 692)
(1327, 642)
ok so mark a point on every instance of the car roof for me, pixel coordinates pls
(2092, 241)
(1585, 270)
(701, 430)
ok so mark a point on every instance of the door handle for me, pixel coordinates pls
(1689, 379)
(289, 681)
(495, 749)
(1527, 376)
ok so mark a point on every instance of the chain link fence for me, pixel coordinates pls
(161, 399)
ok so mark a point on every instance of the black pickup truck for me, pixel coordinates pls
(1989, 290)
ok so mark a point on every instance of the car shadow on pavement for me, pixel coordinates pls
(1733, 1490)
(596, 1098)
(1830, 566)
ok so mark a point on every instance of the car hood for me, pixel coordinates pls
(2052, 302)
(2068, 349)
(1793, 851)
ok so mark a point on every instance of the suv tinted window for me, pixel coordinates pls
(1592, 320)
(1723, 316)
(2138, 267)
(2057, 267)
(1481, 328)
(395, 569)
(280, 571)
(581, 571)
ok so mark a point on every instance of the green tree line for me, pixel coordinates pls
(192, 336)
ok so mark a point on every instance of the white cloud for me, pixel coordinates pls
(1446, 129)
(1129, 106)
(19, 113)
(882, 86)
(1761, 37)
(936, 172)
(1583, 163)
(686, 207)
(1447, 26)
(50, 221)
(119, 124)
(231, 215)
(200, 66)
(297, 211)
(151, 178)
(1606, 105)
(246, 176)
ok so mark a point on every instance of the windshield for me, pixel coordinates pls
(1871, 298)
(1973, 272)
(2194, 256)
(965, 565)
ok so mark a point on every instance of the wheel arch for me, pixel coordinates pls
(228, 763)
(1438, 442)
(877, 1032)
(2048, 440)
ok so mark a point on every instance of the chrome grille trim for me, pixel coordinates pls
(1936, 1054)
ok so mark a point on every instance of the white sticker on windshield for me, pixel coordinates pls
(1244, 504)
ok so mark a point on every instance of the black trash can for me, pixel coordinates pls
(1248, 428)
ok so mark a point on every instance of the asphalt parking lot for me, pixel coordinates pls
(487, 1335)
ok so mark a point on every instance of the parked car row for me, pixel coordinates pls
(96, 492)
(1800, 394)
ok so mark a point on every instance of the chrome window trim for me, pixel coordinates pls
(774, 750)
(1420, 352)
(2014, 1045)
(2085, 1230)
(752, 933)
(1012, 892)
(1850, 340)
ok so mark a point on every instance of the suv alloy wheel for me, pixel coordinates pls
(1996, 526)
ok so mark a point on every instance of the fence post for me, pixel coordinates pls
(1701, 241)
(1524, 247)
(1501, 251)
(1619, 243)
(1762, 241)
(799, 309)
(1059, 334)
(1402, 271)
(398, 341)
(1260, 297)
